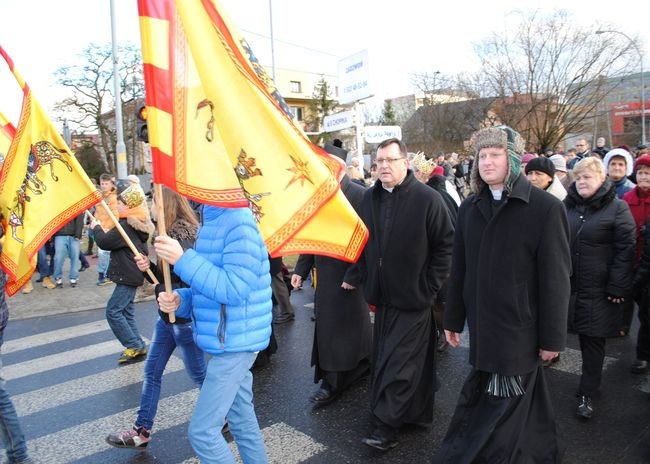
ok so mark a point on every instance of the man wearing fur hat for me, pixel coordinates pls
(122, 269)
(619, 165)
(402, 267)
(510, 282)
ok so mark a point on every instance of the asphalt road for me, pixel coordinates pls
(70, 393)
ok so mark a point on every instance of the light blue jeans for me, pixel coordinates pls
(120, 314)
(166, 337)
(66, 246)
(11, 435)
(227, 392)
(103, 259)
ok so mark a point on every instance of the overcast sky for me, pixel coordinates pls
(401, 37)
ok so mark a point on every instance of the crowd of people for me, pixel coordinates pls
(515, 248)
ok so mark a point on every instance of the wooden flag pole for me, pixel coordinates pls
(162, 231)
(126, 237)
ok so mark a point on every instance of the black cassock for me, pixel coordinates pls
(342, 345)
(343, 334)
(513, 430)
(403, 389)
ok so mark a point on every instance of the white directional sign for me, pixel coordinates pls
(354, 78)
(376, 134)
(338, 121)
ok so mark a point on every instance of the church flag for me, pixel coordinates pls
(42, 187)
(221, 133)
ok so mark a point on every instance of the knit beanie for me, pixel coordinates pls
(500, 137)
(559, 162)
(541, 164)
(643, 160)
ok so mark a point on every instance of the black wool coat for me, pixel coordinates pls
(409, 272)
(603, 246)
(510, 278)
(343, 334)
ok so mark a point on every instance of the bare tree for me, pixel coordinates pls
(91, 96)
(449, 111)
(547, 76)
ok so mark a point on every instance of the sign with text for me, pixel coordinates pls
(354, 78)
(338, 121)
(377, 134)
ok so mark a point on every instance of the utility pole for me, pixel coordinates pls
(120, 148)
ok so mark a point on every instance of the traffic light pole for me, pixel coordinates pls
(120, 147)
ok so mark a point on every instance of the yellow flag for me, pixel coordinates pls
(42, 187)
(7, 132)
(221, 133)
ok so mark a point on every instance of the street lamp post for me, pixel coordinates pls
(640, 52)
(120, 147)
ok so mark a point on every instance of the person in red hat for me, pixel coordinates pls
(639, 201)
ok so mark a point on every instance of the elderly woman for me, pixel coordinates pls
(639, 200)
(602, 253)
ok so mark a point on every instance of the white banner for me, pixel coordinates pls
(377, 134)
(338, 121)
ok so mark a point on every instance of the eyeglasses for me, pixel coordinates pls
(381, 161)
(580, 144)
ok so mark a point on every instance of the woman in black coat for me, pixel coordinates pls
(602, 252)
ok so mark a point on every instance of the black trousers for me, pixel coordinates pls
(643, 339)
(593, 355)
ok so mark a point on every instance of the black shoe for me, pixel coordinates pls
(378, 441)
(585, 408)
(322, 397)
(83, 268)
(639, 366)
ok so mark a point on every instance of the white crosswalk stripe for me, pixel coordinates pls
(284, 444)
(73, 390)
(46, 338)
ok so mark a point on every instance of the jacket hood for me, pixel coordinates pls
(629, 162)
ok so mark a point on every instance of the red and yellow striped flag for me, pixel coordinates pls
(222, 134)
(42, 187)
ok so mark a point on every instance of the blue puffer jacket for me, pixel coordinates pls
(229, 299)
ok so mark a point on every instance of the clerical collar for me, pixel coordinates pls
(496, 193)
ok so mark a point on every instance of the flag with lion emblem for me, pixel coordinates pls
(221, 133)
(42, 187)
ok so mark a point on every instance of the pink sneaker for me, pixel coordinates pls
(136, 437)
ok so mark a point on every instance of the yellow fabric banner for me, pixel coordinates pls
(221, 133)
(42, 187)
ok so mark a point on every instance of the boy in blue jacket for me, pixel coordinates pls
(229, 302)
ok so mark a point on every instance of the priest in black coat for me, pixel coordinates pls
(510, 284)
(403, 265)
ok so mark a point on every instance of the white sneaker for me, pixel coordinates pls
(73, 282)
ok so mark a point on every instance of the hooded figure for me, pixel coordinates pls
(509, 283)
(617, 173)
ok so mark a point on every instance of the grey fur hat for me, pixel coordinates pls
(500, 137)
